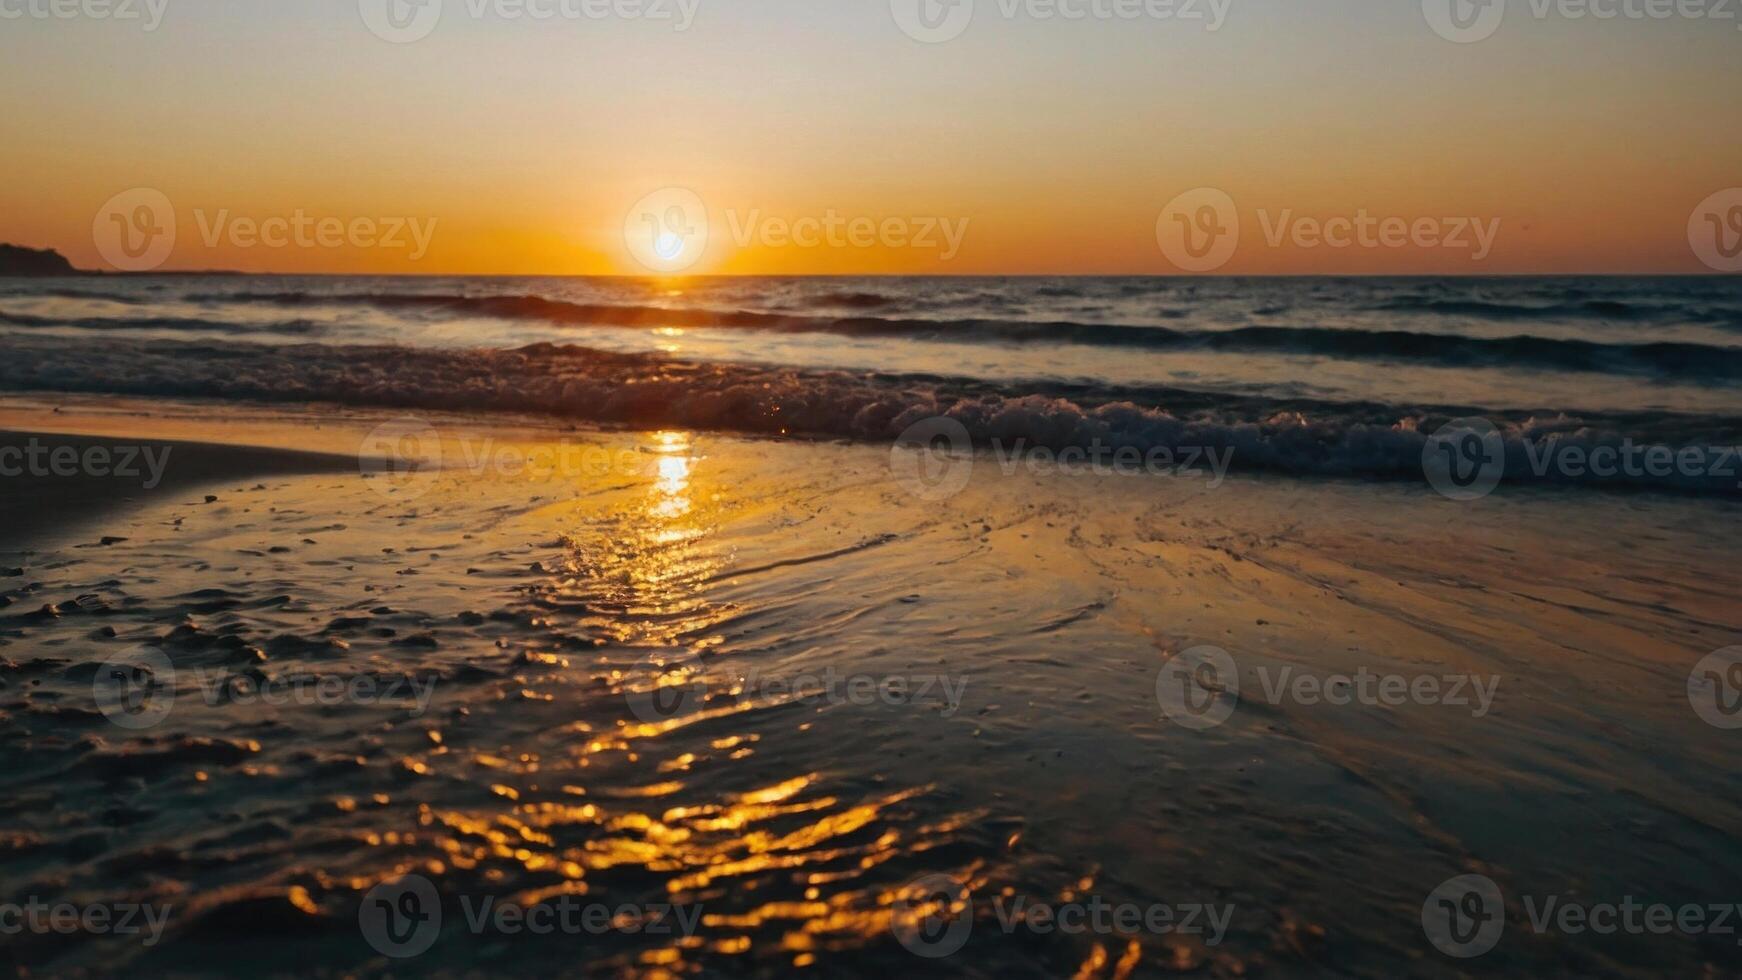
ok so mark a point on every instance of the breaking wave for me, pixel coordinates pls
(1587, 309)
(158, 323)
(1293, 436)
(1693, 361)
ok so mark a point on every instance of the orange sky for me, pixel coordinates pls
(1050, 146)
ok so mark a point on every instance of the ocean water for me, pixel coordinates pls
(746, 681)
(1303, 376)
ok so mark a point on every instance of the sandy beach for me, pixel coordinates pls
(54, 490)
(767, 682)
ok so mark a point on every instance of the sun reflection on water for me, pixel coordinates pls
(673, 481)
(719, 807)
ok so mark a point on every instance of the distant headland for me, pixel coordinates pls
(16, 260)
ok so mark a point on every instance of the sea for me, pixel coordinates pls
(1305, 376)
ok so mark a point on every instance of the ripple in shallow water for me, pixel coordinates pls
(630, 705)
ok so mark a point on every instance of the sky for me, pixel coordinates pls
(1024, 144)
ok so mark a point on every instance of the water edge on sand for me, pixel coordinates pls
(764, 686)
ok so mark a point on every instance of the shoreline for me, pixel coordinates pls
(47, 492)
(638, 667)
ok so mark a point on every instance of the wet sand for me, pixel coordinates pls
(60, 495)
(1027, 617)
